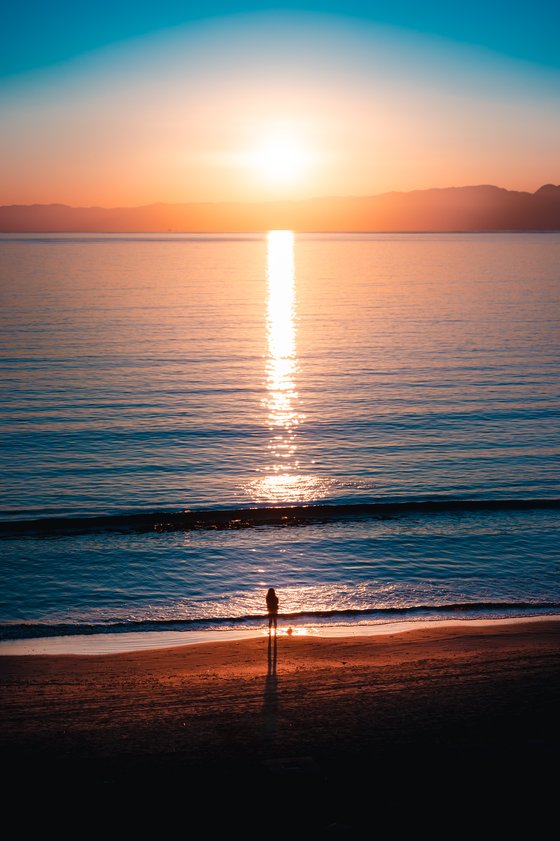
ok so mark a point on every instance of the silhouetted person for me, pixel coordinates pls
(272, 607)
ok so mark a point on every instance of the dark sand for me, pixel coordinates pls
(351, 735)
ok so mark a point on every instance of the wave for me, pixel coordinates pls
(29, 630)
(239, 518)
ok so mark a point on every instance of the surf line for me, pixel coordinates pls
(239, 518)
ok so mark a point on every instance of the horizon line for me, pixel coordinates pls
(338, 197)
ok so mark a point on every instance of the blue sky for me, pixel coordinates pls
(36, 34)
(129, 103)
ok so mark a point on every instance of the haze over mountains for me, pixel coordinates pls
(481, 208)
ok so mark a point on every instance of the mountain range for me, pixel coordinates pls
(480, 208)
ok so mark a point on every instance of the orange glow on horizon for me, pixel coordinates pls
(221, 113)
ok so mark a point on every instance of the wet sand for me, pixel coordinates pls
(322, 728)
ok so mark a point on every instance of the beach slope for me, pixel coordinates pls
(323, 721)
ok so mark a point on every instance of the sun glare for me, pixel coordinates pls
(280, 160)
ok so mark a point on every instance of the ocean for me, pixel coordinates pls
(388, 403)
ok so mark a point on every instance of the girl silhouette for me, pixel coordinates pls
(272, 607)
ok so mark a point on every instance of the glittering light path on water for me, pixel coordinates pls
(284, 481)
(281, 482)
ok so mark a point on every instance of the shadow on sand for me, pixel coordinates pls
(270, 697)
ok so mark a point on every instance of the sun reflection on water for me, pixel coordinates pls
(281, 336)
(282, 482)
(292, 631)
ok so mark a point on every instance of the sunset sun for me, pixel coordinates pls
(280, 159)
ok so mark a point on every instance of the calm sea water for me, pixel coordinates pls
(162, 373)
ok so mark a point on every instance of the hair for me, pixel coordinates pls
(270, 590)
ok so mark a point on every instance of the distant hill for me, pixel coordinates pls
(484, 208)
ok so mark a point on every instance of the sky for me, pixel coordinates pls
(123, 103)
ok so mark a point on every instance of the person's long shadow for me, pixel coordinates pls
(270, 698)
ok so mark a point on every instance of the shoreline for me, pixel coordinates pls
(91, 645)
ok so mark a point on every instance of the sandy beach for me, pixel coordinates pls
(321, 722)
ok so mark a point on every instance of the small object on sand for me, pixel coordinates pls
(290, 631)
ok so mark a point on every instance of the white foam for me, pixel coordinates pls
(95, 644)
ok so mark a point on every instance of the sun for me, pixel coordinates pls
(280, 159)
